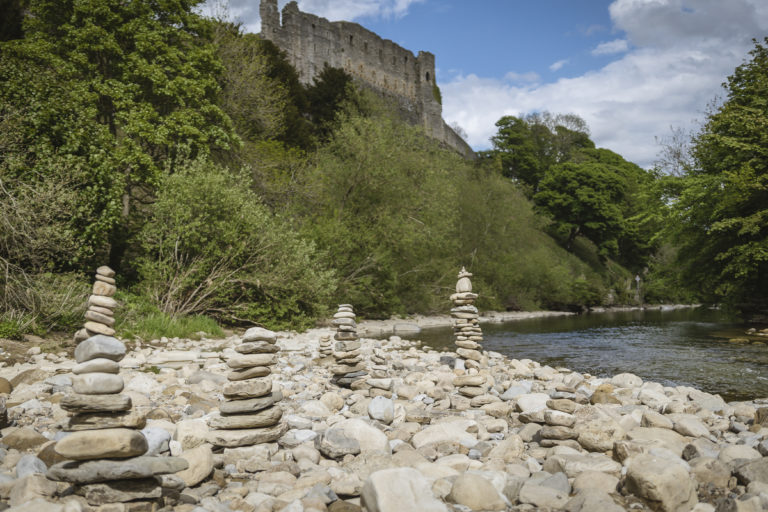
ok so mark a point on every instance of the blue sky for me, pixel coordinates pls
(632, 69)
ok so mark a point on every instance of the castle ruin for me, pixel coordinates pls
(311, 42)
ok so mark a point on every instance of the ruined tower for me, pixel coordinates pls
(311, 42)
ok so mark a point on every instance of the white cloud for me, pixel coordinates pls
(529, 77)
(555, 66)
(611, 47)
(246, 12)
(682, 50)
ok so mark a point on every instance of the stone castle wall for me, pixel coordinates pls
(311, 42)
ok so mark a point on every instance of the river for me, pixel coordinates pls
(674, 347)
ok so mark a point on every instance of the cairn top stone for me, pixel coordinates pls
(259, 334)
(100, 346)
(105, 271)
(464, 285)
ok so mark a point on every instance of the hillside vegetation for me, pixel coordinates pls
(187, 156)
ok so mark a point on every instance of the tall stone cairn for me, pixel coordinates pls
(104, 446)
(466, 327)
(250, 413)
(100, 316)
(346, 350)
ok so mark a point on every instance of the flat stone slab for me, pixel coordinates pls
(264, 418)
(92, 471)
(97, 383)
(249, 405)
(100, 346)
(257, 347)
(98, 365)
(251, 360)
(75, 402)
(249, 373)
(120, 491)
(246, 437)
(132, 418)
(252, 388)
(101, 444)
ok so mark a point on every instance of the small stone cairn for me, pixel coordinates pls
(379, 368)
(465, 324)
(250, 413)
(326, 345)
(346, 349)
(100, 316)
(104, 448)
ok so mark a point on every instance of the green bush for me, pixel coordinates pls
(212, 248)
(11, 330)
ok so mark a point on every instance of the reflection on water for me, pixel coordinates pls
(674, 347)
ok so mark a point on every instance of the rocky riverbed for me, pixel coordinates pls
(404, 438)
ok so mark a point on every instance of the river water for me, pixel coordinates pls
(674, 347)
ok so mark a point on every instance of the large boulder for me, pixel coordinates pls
(476, 492)
(666, 485)
(398, 490)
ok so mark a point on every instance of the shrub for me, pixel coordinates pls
(212, 248)
(43, 302)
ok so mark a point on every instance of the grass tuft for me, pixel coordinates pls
(156, 325)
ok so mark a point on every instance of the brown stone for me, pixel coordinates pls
(23, 439)
(5, 386)
(28, 377)
(74, 402)
(252, 388)
(251, 360)
(264, 418)
(105, 271)
(47, 454)
(105, 279)
(104, 289)
(120, 491)
(249, 373)
(249, 405)
(99, 318)
(97, 328)
(118, 443)
(132, 418)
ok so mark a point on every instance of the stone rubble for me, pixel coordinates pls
(536, 438)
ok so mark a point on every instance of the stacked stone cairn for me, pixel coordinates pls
(100, 316)
(379, 368)
(326, 345)
(465, 324)
(250, 413)
(346, 350)
(104, 446)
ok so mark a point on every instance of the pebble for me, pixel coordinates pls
(409, 438)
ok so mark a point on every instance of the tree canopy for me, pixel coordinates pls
(722, 212)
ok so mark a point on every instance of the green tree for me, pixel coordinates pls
(529, 146)
(331, 88)
(722, 212)
(115, 92)
(584, 199)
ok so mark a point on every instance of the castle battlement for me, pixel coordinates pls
(311, 42)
